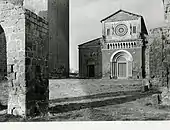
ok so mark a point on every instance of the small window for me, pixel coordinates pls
(107, 46)
(108, 32)
(12, 68)
(112, 30)
(134, 29)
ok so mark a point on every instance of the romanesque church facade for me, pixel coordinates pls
(121, 51)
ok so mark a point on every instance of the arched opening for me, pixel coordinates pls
(3, 54)
(3, 70)
(108, 46)
(121, 64)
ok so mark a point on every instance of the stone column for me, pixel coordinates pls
(111, 70)
(26, 97)
(12, 21)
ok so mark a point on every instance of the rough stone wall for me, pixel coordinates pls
(58, 17)
(166, 4)
(91, 53)
(22, 29)
(15, 2)
(35, 5)
(13, 22)
(36, 63)
(159, 56)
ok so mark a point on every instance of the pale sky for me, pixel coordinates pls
(85, 16)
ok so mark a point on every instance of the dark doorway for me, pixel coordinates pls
(122, 70)
(91, 71)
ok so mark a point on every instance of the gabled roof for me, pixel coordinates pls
(94, 42)
(123, 11)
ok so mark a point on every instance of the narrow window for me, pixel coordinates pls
(108, 32)
(134, 29)
(107, 46)
(12, 68)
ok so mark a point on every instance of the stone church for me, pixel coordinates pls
(121, 51)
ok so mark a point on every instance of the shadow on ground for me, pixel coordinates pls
(101, 95)
(131, 96)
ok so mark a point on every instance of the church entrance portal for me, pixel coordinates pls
(121, 65)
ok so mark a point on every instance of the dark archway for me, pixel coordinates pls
(3, 54)
(3, 70)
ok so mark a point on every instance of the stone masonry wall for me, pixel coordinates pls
(36, 63)
(159, 41)
(27, 59)
(136, 65)
(12, 20)
(92, 54)
(160, 56)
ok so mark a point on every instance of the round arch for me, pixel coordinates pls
(3, 53)
(125, 53)
(121, 64)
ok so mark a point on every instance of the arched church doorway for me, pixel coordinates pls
(121, 65)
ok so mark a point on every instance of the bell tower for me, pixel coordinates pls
(166, 4)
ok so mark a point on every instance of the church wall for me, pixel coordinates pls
(136, 66)
(90, 53)
(129, 24)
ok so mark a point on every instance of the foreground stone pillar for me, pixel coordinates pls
(27, 59)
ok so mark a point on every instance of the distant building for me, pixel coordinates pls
(120, 53)
(58, 17)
